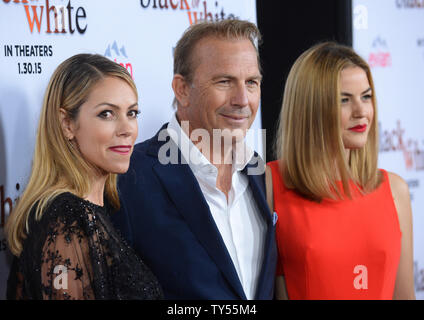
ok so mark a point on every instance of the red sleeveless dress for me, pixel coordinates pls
(347, 249)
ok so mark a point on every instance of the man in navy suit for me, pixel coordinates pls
(193, 200)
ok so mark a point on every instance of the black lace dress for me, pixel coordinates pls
(74, 252)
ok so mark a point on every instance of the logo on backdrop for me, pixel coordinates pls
(50, 17)
(418, 277)
(420, 45)
(196, 9)
(6, 204)
(380, 55)
(43, 17)
(395, 140)
(119, 55)
(410, 4)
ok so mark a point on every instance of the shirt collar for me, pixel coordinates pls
(196, 160)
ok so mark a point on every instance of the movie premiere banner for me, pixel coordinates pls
(37, 35)
(389, 34)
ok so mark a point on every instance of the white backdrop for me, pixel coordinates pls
(389, 34)
(140, 34)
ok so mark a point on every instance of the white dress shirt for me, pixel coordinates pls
(238, 220)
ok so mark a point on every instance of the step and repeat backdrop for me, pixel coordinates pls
(389, 34)
(35, 36)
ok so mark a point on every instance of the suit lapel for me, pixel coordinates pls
(184, 190)
(256, 184)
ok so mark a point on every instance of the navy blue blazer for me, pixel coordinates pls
(166, 219)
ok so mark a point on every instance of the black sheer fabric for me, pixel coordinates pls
(74, 252)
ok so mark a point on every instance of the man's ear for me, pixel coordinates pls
(66, 124)
(181, 90)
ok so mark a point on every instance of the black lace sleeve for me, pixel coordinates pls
(74, 252)
(66, 271)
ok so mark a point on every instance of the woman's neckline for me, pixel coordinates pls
(87, 202)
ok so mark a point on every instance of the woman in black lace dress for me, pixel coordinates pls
(60, 232)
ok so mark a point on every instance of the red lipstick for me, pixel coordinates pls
(121, 149)
(359, 128)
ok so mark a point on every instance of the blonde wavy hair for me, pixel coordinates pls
(58, 166)
(309, 139)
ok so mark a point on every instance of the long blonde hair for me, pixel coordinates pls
(309, 141)
(57, 165)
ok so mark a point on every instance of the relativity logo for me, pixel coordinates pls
(380, 55)
(196, 9)
(49, 15)
(119, 55)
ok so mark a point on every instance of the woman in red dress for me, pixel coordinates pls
(344, 228)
